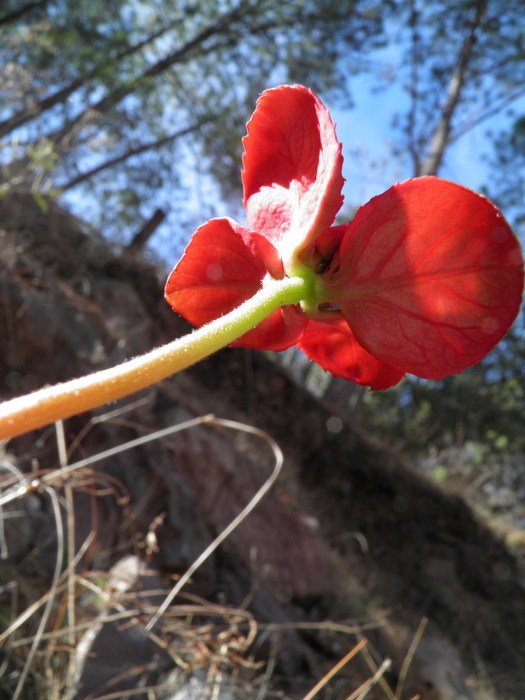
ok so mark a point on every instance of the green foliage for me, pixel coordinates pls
(92, 83)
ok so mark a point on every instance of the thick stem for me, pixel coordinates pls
(47, 405)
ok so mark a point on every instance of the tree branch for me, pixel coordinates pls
(105, 104)
(413, 89)
(139, 239)
(16, 14)
(496, 106)
(82, 177)
(36, 109)
(441, 134)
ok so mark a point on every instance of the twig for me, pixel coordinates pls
(279, 458)
(270, 666)
(31, 610)
(70, 514)
(4, 553)
(375, 670)
(335, 669)
(81, 627)
(363, 689)
(104, 418)
(410, 655)
(51, 596)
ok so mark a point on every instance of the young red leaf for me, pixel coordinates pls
(292, 175)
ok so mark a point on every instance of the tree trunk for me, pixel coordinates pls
(441, 134)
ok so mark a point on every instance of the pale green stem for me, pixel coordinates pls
(47, 405)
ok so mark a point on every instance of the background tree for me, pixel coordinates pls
(105, 101)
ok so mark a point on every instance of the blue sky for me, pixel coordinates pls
(367, 128)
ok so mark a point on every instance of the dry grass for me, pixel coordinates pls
(50, 628)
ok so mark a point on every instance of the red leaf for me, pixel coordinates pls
(223, 265)
(431, 277)
(217, 272)
(333, 346)
(292, 173)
